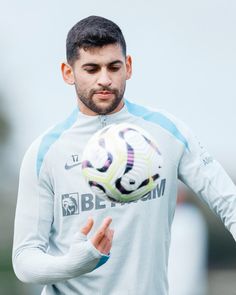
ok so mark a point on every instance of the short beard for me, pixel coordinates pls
(89, 103)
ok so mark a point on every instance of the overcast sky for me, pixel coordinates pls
(184, 60)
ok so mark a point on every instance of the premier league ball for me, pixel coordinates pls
(122, 163)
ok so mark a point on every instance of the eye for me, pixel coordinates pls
(91, 70)
(114, 68)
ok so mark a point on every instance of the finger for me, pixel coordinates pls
(105, 240)
(101, 231)
(86, 229)
(105, 245)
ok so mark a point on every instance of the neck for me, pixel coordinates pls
(87, 111)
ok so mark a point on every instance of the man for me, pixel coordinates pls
(63, 237)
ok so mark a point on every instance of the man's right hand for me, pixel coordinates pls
(102, 239)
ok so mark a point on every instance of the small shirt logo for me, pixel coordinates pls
(73, 162)
(70, 204)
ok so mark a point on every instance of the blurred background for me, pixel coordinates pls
(184, 61)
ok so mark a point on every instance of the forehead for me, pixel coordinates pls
(101, 55)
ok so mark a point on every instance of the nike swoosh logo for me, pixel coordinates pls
(68, 167)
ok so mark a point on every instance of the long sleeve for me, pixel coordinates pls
(206, 177)
(33, 220)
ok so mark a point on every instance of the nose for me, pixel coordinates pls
(104, 78)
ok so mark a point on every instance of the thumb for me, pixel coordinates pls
(86, 229)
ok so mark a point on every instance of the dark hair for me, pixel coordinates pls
(90, 32)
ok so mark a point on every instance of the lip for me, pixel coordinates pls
(104, 94)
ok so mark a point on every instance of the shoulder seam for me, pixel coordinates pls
(52, 136)
(159, 119)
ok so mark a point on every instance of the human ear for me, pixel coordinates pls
(128, 62)
(67, 73)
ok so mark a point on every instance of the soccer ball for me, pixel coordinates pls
(121, 163)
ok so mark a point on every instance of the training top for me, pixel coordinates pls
(54, 203)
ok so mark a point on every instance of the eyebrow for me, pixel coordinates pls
(95, 65)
